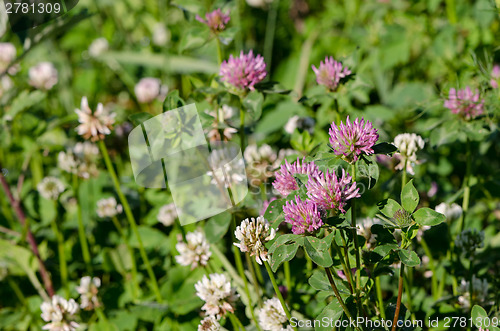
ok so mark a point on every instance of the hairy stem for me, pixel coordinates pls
(400, 295)
(380, 299)
(47, 282)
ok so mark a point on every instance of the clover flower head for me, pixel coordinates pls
(330, 72)
(94, 125)
(261, 162)
(495, 76)
(195, 252)
(465, 103)
(98, 47)
(7, 56)
(304, 216)
(148, 89)
(469, 240)
(209, 323)
(50, 188)
(88, 289)
(59, 312)
(218, 294)
(253, 234)
(272, 316)
(285, 183)
(353, 139)
(216, 20)
(479, 288)
(408, 144)
(43, 76)
(402, 218)
(167, 214)
(330, 192)
(243, 72)
(108, 208)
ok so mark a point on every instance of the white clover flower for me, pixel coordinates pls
(195, 252)
(148, 89)
(217, 293)
(221, 115)
(226, 171)
(452, 212)
(43, 76)
(88, 289)
(86, 150)
(272, 316)
(209, 323)
(108, 207)
(479, 288)
(50, 188)
(262, 161)
(408, 144)
(98, 47)
(5, 84)
(8, 54)
(167, 214)
(59, 312)
(365, 229)
(253, 234)
(292, 124)
(160, 35)
(96, 125)
(67, 162)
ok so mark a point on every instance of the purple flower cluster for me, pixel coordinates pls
(302, 215)
(465, 103)
(285, 183)
(331, 192)
(216, 20)
(330, 72)
(243, 72)
(353, 139)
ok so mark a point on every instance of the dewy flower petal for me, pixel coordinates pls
(285, 183)
(253, 234)
(243, 72)
(195, 252)
(353, 139)
(330, 192)
(94, 126)
(304, 216)
(216, 20)
(465, 103)
(330, 72)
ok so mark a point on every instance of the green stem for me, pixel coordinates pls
(235, 322)
(356, 244)
(270, 31)
(380, 299)
(130, 218)
(432, 266)
(471, 284)
(63, 265)
(346, 253)
(254, 277)
(466, 184)
(400, 295)
(82, 236)
(348, 274)
(277, 291)
(242, 130)
(339, 298)
(288, 279)
(403, 180)
(18, 292)
(133, 267)
(219, 54)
